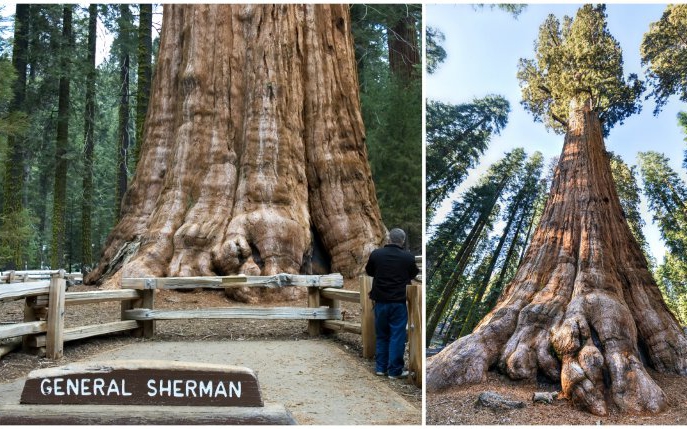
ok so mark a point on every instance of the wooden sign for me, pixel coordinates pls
(142, 382)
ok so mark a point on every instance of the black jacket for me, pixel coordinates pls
(392, 269)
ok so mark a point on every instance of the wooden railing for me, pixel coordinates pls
(44, 310)
(45, 303)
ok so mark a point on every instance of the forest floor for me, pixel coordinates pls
(17, 365)
(456, 406)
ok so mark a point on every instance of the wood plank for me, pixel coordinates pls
(148, 301)
(26, 328)
(92, 297)
(223, 282)
(314, 326)
(276, 313)
(54, 345)
(367, 318)
(80, 332)
(269, 414)
(8, 347)
(30, 315)
(22, 290)
(341, 294)
(415, 331)
(341, 326)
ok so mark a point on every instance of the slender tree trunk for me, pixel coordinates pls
(61, 145)
(583, 304)
(14, 165)
(253, 149)
(89, 128)
(477, 299)
(404, 52)
(123, 137)
(144, 71)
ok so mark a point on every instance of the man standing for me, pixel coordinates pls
(392, 269)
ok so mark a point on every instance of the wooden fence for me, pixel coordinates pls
(45, 302)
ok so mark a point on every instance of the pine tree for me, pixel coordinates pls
(57, 249)
(456, 137)
(664, 53)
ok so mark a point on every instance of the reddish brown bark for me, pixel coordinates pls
(583, 304)
(254, 149)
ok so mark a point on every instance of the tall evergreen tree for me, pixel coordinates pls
(488, 192)
(583, 301)
(57, 248)
(387, 51)
(456, 136)
(664, 53)
(89, 132)
(14, 214)
(144, 70)
(125, 25)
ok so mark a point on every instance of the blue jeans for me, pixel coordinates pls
(391, 319)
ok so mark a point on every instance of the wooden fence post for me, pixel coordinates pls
(314, 326)
(148, 302)
(29, 316)
(367, 317)
(415, 343)
(54, 340)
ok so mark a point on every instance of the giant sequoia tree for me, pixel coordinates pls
(583, 307)
(253, 159)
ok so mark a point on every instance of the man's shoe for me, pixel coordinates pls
(404, 374)
(380, 373)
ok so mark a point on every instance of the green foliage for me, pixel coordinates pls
(664, 53)
(392, 112)
(18, 239)
(671, 277)
(435, 54)
(514, 9)
(667, 195)
(464, 252)
(457, 135)
(625, 179)
(578, 60)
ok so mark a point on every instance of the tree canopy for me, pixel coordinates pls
(578, 59)
(664, 53)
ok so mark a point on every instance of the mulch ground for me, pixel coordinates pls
(456, 406)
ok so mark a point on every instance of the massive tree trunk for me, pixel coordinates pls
(253, 159)
(583, 307)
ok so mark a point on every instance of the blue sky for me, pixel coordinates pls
(483, 47)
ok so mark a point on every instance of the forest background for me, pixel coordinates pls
(48, 147)
(473, 55)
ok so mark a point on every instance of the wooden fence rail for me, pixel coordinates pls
(46, 300)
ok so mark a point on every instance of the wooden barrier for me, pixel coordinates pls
(143, 311)
(42, 330)
(367, 318)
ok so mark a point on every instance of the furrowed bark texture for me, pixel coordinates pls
(583, 307)
(254, 157)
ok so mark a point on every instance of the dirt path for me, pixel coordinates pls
(317, 381)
